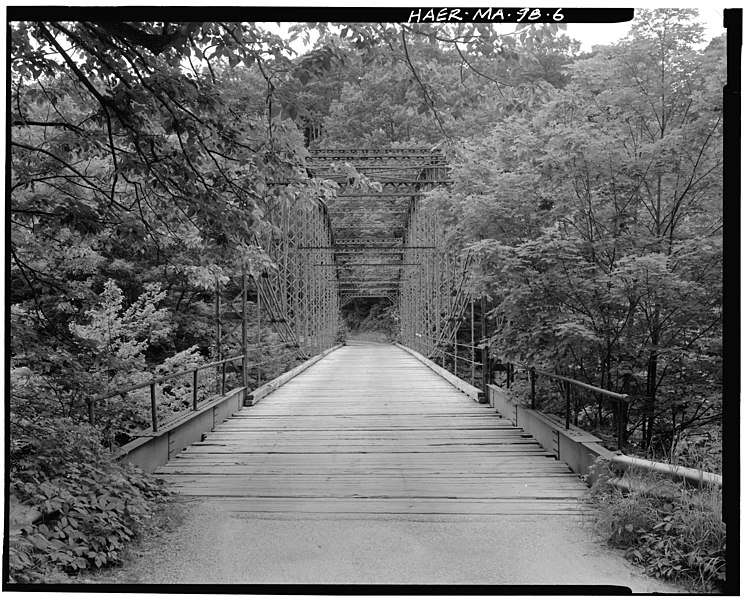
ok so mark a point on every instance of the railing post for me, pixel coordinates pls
(621, 424)
(153, 407)
(568, 405)
(244, 328)
(507, 372)
(258, 328)
(222, 385)
(455, 355)
(195, 397)
(532, 388)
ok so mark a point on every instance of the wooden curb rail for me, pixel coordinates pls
(266, 389)
(463, 386)
(151, 450)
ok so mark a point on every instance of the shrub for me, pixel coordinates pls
(680, 537)
(91, 506)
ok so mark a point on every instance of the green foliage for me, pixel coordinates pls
(142, 162)
(125, 334)
(429, 81)
(370, 315)
(382, 317)
(680, 537)
(701, 450)
(91, 507)
(139, 178)
(595, 225)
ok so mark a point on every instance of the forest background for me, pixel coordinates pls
(587, 187)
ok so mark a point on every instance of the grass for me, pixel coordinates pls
(681, 537)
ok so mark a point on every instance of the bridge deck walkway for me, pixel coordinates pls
(371, 430)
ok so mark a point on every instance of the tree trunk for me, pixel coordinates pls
(623, 410)
(651, 391)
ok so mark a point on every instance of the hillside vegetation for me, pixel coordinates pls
(587, 187)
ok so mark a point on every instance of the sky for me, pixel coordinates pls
(588, 34)
(591, 34)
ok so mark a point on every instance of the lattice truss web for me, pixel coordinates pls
(387, 245)
(297, 298)
(371, 241)
(301, 294)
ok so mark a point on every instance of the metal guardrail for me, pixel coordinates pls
(621, 399)
(695, 476)
(151, 383)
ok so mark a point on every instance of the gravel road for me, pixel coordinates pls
(215, 546)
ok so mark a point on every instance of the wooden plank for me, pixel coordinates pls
(268, 388)
(423, 506)
(371, 430)
(471, 391)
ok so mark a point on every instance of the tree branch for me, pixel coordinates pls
(424, 88)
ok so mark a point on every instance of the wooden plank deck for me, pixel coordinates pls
(371, 430)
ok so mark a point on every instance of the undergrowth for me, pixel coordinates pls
(678, 535)
(91, 507)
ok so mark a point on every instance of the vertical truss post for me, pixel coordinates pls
(313, 297)
(427, 320)
(293, 273)
(307, 284)
(259, 354)
(485, 364)
(436, 283)
(425, 291)
(455, 354)
(450, 324)
(473, 349)
(420, 315)
(315, 308)
(218, 333)
(244, 328)
(305, 279)
(285, 262)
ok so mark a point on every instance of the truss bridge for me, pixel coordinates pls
(392, 433)
(374, 239)
(364, 428)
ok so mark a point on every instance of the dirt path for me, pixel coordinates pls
(215, 546)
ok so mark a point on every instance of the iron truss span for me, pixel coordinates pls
(375, 239)
(382, 228)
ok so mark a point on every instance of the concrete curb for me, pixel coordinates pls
(575, 447)
(579, 449)
(152, 450)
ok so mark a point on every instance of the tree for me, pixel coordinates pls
(604, 253)
(134, 160)
(418, 83)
